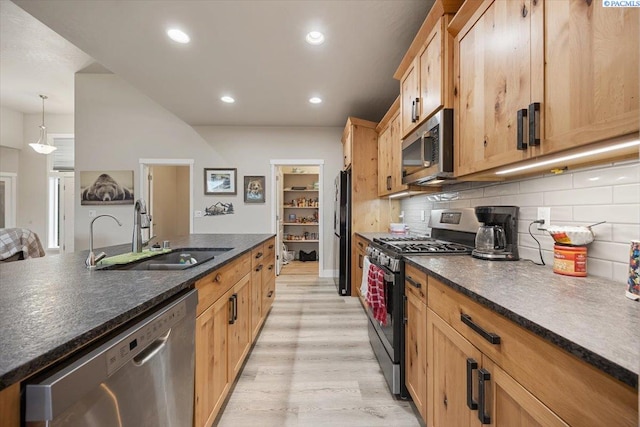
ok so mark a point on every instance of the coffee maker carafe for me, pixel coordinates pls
(497, 239)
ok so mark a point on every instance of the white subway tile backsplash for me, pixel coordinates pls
(621, 274)
(531, 199)
(547, 183)
(626, 193)
(627, 174)
(624, 232)
(609, 251)
(575, 198)
(582, 196)
(502, 189)
(625, 214)
(599, 267)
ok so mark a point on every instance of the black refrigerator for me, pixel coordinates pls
(342, 233)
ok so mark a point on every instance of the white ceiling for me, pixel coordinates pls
(253, 50)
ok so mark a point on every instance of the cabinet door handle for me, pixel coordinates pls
(471, 366)
(405, 316)
(483, 376)
(269, 294)
(389, 182)
(235, 307)
(489, 336)
(534, 124)
(522, 114)
(412, 282)
(361, 245)
(258, 268)
(270, 267)
(258, 255)
(360, 261)
(231, 310)
(413, 111)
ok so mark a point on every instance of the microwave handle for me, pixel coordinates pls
(425, 162)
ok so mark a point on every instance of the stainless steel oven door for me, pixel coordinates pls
(385, 331)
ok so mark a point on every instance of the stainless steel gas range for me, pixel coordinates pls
(452, 233)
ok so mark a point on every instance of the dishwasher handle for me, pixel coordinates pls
(151, 350)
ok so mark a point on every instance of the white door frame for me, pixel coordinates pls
(10, 192)
(63, 231)
(144, 163)
(274, 209)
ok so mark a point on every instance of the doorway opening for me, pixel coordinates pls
(61, 194)
(167, 189)
(299, 216)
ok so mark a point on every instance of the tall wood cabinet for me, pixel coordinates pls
(368, 212)
(390, 153)
(536, 77)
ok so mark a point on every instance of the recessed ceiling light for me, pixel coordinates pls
(315, 38)
(227, 99)
(178, 36)
(315, 100)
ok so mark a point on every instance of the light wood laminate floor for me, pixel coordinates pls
(312, 365)
(309, 268)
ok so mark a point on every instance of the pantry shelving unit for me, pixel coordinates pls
(301, 207)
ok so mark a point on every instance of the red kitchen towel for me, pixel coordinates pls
(375, 294)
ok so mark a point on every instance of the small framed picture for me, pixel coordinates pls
(220, 182)
(254, 189)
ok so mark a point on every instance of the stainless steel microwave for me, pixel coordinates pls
(427, 153)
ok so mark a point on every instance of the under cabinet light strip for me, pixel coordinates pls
(571, 157)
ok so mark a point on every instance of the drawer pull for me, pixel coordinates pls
(259, 268)
(483, 376)
(471, 366)
(489, 336)
(269, 294)
(270, 267)
(270, 246)
(218, 278)
(413, 283)
(361, 245)
(258, 255)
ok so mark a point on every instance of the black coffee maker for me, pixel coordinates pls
(497, 239)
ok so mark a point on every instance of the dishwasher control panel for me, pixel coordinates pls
(155, 331)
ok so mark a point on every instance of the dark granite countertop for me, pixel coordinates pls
(587, 316)
(52, 306)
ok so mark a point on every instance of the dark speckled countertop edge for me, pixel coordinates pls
(90, 336)
(594, 359)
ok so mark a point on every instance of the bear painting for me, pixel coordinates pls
(106, 188)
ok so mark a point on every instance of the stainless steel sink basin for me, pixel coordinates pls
(177, 259)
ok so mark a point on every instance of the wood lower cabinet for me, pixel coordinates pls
(231, 310)
(239, 330)
(416, 338)
(10, 406)
(212, 379)
(359, 252)
(526, 378)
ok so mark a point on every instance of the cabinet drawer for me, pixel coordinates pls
(257, 256)
(270, 250)
(415, 282)
(215, 284)
(579, 393)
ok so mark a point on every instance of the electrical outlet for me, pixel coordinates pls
(545, 214)
(197, 214)
(421, 215)
(92, 213)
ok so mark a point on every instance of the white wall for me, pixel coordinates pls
(606, 193)
(116, 125)
(11, 130)
(9, 160)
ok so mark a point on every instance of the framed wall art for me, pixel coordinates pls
(220, 182)
(254, 189)
(106, 188)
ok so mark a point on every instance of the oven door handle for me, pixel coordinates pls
(386, 271)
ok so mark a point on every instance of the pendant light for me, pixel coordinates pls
(43, 146)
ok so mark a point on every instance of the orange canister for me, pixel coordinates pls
(570, 260)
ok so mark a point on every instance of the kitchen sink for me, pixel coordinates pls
(177, 259)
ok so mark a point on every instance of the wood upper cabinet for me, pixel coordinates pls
(347, 147)
(390, 152)
(590, 67)
(537, 77)
(425, 74)
(492, 60)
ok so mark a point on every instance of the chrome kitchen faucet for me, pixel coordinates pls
(140, 220)
(91, 260)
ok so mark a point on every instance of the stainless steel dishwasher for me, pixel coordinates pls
(142, 377)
